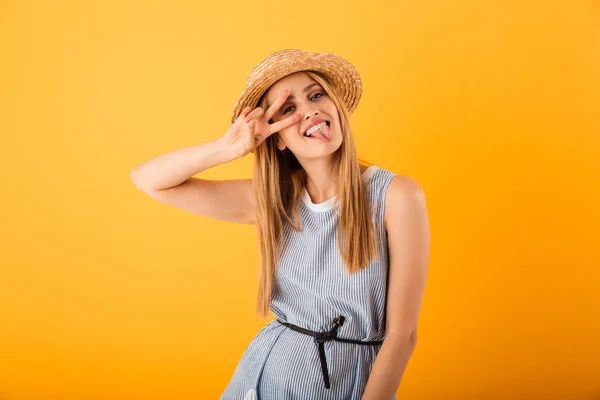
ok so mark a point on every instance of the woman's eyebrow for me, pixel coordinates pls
(306, 89)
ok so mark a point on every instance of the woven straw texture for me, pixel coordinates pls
(342, 74)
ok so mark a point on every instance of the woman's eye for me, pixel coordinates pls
(312, 97)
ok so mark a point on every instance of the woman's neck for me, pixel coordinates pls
(320, 184)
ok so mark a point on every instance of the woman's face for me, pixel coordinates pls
(308, 99)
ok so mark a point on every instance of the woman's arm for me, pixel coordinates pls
(407, 225)
(175, 167)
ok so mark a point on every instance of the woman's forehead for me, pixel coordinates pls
(295, 82)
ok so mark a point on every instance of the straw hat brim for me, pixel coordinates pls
(339, 71)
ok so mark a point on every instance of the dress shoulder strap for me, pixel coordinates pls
(377, 186)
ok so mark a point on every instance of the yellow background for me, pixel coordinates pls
(492, 106)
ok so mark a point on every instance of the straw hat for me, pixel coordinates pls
(340, 72)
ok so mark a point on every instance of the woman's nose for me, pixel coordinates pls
(311, 112)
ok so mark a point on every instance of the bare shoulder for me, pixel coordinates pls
(402, 185)
(403, 197)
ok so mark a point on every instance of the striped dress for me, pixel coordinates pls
(312, 288)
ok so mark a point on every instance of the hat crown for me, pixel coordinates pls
(281, 56)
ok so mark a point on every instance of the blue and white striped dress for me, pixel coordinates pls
(311, 289)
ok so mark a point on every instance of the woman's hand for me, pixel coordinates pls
(250, 129)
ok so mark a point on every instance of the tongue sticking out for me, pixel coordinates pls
(322, 133)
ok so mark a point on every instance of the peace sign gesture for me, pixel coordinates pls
(252, 128)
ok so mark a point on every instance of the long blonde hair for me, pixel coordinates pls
(278, 181)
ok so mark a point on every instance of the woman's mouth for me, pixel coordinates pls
(320, 131)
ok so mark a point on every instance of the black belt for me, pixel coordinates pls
(322, 337)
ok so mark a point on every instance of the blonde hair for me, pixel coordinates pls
(278, 181)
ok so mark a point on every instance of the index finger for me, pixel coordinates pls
(279, 125)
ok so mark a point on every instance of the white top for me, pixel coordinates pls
(332, 202)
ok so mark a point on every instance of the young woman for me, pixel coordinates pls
(344, 246)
